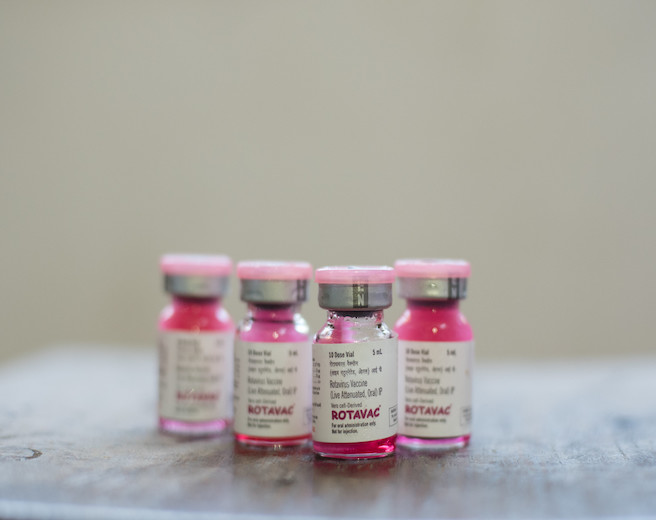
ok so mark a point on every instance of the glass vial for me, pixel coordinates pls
(436, 354)
(273, 357)
(195, 346)
(354, 365)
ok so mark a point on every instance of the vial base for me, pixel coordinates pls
(438, 444)
(194, 429)
(268, 442)
(356, 450)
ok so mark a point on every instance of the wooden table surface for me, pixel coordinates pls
(565, 439)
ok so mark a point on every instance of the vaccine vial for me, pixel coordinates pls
(195, 346)
(273, 356)
(354, 365)
(436, 354)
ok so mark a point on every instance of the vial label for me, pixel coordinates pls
(273, 386)
(354, 391)
(435, 388)
(195, 375)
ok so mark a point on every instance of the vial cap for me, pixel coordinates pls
(270, 270)
(268, 282)
(432, 268)
(196, 265)
(432, 279)
(196, 276)
(355, 287)
(353, 274)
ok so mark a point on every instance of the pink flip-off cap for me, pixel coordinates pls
(196, 265)
(432, 268)
(269, 270)
(355, 274)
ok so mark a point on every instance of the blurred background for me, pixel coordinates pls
(518, 135)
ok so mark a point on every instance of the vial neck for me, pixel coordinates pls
(445, 305)
(354, 319)
(354, 327)
(182, 302)
(432, 309)
(273, 313)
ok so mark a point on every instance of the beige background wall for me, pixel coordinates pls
(519, 135)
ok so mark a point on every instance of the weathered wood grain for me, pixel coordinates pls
(551, 440)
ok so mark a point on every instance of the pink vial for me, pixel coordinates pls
(195, 346)
(354, 365)
(436, 355)
(273, 357)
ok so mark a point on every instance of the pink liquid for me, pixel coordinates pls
(195, 315)
(346, 331)
(433, 321)
(274, 324)
(356, 450)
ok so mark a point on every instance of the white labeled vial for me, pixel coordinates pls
(354, 365)
(195, 346)
(273, 356)
(436, 354)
